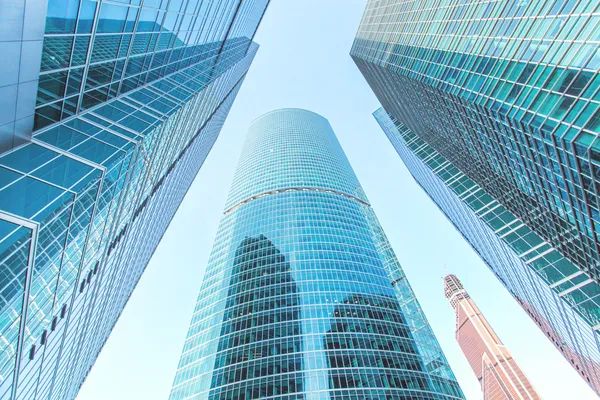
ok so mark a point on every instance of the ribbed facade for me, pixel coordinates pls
(303, 297)
(130, 98)
(504, 95)
(495, 368)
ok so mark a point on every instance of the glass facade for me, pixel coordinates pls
(119, 131)
(495, 234)
(303, 297)
(503, 98)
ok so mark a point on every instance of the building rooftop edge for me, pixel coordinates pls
(288, 109)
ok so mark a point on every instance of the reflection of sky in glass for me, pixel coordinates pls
(85, 203)
(509, 106)
(314, 266)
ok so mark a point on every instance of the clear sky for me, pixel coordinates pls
(303, 62)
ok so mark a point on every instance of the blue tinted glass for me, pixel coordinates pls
(62, 16)
(86, 16)
(112, 18)
(87, 232)
(303, 293)
(147, 21)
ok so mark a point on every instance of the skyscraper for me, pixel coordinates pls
(107, 111)
(498, 373)
(303, 295)
(492, 106)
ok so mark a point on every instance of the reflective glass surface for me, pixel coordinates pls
(303, 296)
(103, 49)
(507, 93)
(84, 204)
(496, 235)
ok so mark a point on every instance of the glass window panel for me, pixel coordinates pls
(135, 65)
(114, 88)
(124, 46)
(52, 86)
(147, 21)
(111, 113)
(70, 106)
(63, 171)
(94, 97)
(62, 137)
(80, 50)
(74, 84)
(61, 16)
(112, 18)
(129, 84)
(57, 52)
(83, 126)
(170, 21)
(118, 70)
(99, 74)
(86, 16)
(106, 47)
(140, 43)
(47, 115)
(28, 158)
(131, 17)
(124, 107)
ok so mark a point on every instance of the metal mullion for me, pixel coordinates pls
(51, 71)
(114, 223)
(51, 103)
(23, 175)
(107, 129)
(570, 196)
(116, 264)
(89, 51)
(153, 52)
(34, 227)
(595, 255)
(193, 20)
(142, 110)
(204, 19)
(111, 122)
(131, 102)
(128, 54)
(89, 233)
(534, 157)
(58, 275)
(88, 55)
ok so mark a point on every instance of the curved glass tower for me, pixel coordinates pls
(303, 297)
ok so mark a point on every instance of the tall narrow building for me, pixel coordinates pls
(303, 296)
(107, 111)
(498, 373)
(493, 107)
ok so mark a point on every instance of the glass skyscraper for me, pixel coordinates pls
(107, 111)
(498, 373)
(303, 297)
(493, 106)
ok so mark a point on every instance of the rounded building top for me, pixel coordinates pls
(292, 148)
(289, 109)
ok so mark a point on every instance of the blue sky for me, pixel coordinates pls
(303, 62)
